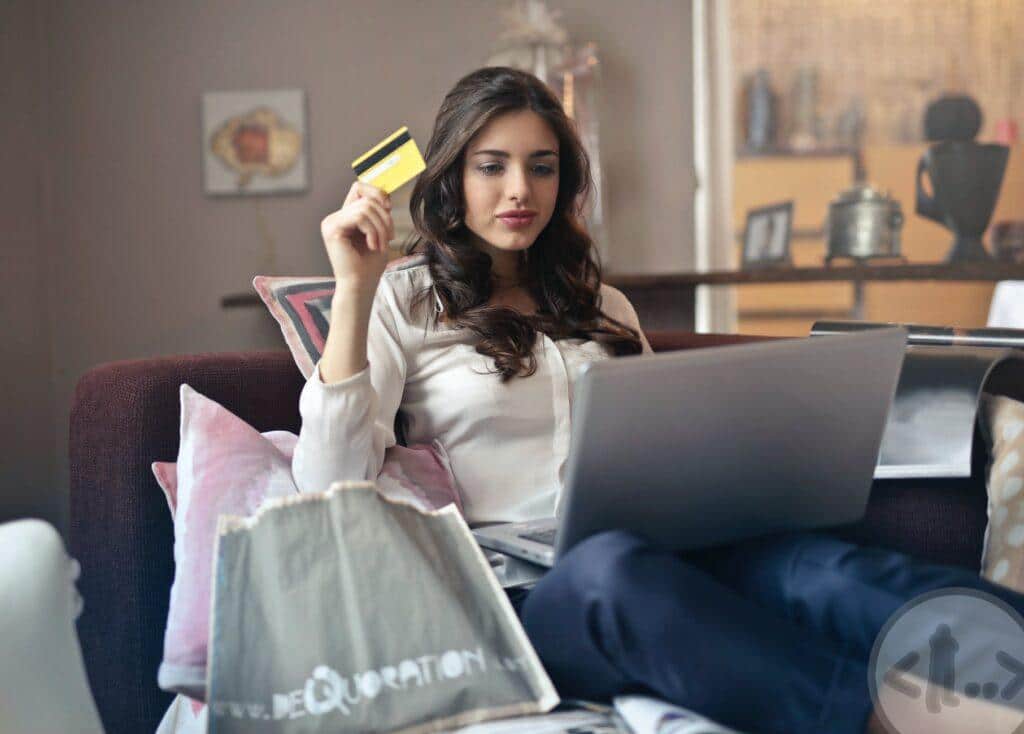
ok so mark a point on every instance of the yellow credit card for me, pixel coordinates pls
(390, 163)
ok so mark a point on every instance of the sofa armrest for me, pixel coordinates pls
(124, 416)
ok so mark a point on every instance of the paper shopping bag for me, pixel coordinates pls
(348, 612)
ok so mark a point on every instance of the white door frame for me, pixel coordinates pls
(713, 149)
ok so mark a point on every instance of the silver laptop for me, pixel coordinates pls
(703, 447)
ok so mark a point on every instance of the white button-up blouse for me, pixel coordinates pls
(506, 443)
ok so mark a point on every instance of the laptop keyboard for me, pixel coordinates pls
(544, 537)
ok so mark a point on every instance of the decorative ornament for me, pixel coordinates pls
(532, 39)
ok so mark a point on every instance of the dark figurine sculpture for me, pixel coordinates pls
(965, 176)
(952, 117)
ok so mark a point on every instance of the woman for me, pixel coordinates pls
(476, 342)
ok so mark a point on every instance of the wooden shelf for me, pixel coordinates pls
(805, 233)
(743, 153)
(971, 271)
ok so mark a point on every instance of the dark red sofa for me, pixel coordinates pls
(125, 416)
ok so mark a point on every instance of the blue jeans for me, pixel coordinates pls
(770, 635)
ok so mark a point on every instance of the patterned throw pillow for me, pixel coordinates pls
(1003, 428)
(302, 308)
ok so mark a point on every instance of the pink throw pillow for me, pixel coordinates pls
(226, 467)
(166, 472)
(420, 474)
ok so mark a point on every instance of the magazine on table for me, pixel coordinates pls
(645, 715)
(627, 715)
(568, 718)
(931, 428)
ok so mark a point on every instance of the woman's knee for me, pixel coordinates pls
(600, 578)
(592, 571)
(763, 569)
(596, 565)
(562, 613)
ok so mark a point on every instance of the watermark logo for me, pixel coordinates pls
(327, 690)
(950, 661)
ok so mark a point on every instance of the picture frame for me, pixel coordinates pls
(254, 142)
(766, 236)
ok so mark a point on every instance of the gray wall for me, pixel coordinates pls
(115, 253)
(27, 404)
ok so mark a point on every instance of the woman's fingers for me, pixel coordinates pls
(367, 209)
(364, 213)
(366, 224)
(360, 190)
(381, 221)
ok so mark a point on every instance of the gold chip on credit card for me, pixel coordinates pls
(390, 163)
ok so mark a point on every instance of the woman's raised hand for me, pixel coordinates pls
(356, 237)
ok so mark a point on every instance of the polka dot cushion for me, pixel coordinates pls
(1003, 426)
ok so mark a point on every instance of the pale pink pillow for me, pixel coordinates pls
(226, 467)
(166, 472)
(420, 474)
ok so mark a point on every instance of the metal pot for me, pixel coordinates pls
(863, 223)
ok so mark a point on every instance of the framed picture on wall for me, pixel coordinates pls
(766, 236)
(254, 142)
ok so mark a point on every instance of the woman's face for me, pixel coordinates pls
(511, 165)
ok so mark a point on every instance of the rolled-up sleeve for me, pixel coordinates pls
(348, 425)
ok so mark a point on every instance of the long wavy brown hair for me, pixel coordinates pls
(560, 269)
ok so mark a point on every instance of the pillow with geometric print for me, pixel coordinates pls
(1002, 425)
(302, 308)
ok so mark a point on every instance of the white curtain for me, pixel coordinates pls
(713, 156)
